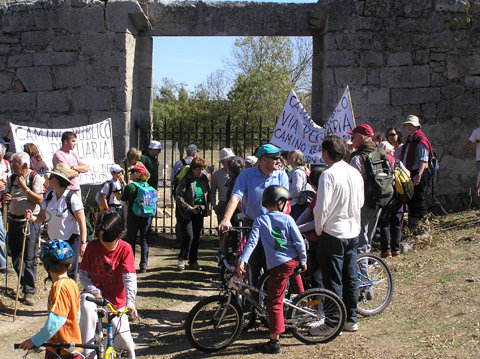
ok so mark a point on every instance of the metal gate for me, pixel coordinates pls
(209, 139)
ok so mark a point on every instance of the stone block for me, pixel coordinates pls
(66, 42)
(415, 96)
(105, 75)
(36, 40)
(122, 101)
(35, 78)
(350, 75)
(405, 76)
(117, 14)
(4, 49)
(6, 80)
(440, 40)
(54, 101)
(17, 22)
(373, 77)
(53, 58)
(420, 57)
(21, 60)
(369, 95)
(8, 39)
(70, 76)
(438, 79)
(399, 59)
(91, 99)
(472, 81)
(87, 19)
(462, 65)
(17, 102)
(375, 58)
(452, 91)
(100, 44)
(355, 41)
(341, 58)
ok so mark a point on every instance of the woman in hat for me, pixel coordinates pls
(64, 213)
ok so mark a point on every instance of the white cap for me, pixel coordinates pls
(412, 120)
(225, 154)
(386, 146)
(251, 159)
(115, 168)
(155, 145)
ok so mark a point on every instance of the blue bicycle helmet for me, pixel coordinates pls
(56, 251)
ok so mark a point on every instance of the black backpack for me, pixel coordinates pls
(379, 180)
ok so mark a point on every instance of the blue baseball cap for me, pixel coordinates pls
(267, 149)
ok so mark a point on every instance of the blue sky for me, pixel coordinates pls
(191, 59)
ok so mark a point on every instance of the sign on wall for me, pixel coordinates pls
(295, 129)
(94, 146)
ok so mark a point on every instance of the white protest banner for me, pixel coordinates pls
(94, 146)
(296, 130)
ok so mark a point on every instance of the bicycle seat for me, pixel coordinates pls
(240, 216)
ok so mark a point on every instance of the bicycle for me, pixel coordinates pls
(103, 345)
(375, 285)
(217, 321)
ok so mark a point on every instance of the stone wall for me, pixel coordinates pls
(74, 62)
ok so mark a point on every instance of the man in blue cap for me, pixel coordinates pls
(249, 189)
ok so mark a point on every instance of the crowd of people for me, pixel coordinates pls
(280, 198)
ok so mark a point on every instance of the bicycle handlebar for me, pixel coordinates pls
(102, 302)
(98, 301)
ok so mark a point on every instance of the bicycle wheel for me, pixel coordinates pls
(212, 324)
(375, 285)
(317, 316)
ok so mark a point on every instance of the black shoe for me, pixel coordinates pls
(8, 270)
(270, 347)
(195, 266)
(143, 270)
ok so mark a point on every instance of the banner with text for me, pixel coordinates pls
(94, 146)
(295, 129)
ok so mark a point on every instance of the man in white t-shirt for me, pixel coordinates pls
(69, 158)
(474, 142)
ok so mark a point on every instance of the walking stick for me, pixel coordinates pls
(21, 267)
(5, 225)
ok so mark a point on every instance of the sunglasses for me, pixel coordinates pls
(392, 134)
(275, 158)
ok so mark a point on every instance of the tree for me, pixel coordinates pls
(266, 69)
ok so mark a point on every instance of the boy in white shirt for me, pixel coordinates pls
(111, 191)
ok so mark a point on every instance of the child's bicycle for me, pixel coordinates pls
(103, 344)
(375, 286)
(217, 321)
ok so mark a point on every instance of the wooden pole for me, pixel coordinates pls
(21, 268)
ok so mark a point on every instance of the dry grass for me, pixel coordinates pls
(435, 311)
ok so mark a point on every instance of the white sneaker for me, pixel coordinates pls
(316, 323)
(350, 327)
(181, 264)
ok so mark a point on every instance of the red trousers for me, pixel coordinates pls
(277, 283)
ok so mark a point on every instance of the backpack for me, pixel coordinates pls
(68, 201)
(98, 196)
(31, 177)
(145, 204)
(403, 184)
(307, 193)
(379, 180)
(432, 161)
(179, 175)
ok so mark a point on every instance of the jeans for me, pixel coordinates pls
(75, 243)
(369, 219)
(338, 262)
(142, 224)
(189, 234)
(30, 258)
(417, 207)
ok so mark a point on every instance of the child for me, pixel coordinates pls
(112, 191)
(284, 251)
(63, 303)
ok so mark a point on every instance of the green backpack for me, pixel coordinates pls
(379, 181)
(145, 204)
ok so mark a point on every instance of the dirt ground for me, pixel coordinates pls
(435, 311)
